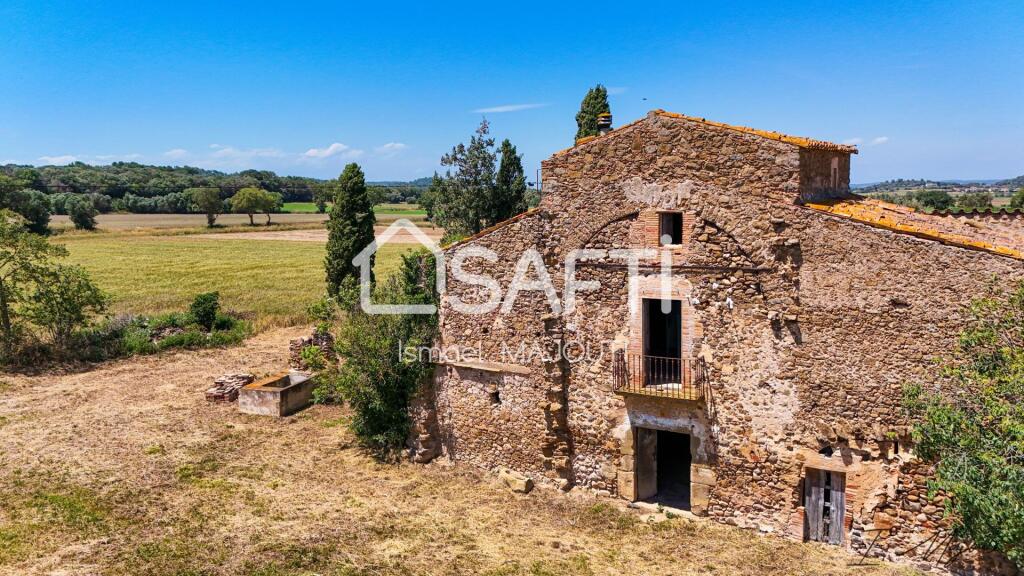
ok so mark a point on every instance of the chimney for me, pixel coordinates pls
(604, 123)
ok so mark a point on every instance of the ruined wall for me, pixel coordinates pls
(824, 174)
(810, 324)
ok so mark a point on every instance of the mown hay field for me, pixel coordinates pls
(270, 281)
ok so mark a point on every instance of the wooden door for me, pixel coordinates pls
(837, 507)
(814, 504)
(646, 462)
(824, 505)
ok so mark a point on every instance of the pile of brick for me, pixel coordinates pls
(225, 388)
(322, 340)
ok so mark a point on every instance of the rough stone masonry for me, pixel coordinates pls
(799, 312)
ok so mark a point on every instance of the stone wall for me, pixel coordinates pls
(810, 325)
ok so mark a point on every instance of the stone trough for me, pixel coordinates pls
(277, 395)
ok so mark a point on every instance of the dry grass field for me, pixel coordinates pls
(127, 470)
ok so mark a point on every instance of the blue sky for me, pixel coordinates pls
(927, 89)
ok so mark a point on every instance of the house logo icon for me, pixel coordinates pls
(362, 260)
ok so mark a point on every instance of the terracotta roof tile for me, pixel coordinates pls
(795, 140)
(987, 236)
(800, 141)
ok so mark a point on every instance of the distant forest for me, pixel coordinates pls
(902, 184)
(134, 187)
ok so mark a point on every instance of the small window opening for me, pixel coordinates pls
(495, 396)
(670, 229)
(826, 451)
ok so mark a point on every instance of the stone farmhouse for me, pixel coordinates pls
(766, 391)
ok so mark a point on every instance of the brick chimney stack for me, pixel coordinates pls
(604, 123)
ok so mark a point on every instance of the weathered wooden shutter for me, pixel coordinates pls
(814, 503)
(837, 509)
(646, 463)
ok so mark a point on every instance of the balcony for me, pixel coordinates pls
(680, 378)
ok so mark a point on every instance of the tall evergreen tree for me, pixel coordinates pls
(350, 228)
(462, 202)
(510, 189)
(594, 103)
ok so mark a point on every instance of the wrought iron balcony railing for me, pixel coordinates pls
(682, 378)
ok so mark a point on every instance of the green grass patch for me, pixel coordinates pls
(379, 209)
(195, 471)
(399, 209)
(271, 281)
(301, 207)
(37, 511)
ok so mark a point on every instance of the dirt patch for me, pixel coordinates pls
(321, 235)
(126, 469)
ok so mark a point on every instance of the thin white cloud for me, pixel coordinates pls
(853, 141)
(58, 160)
(880, 140)
(613, 90)
(106, 158)
(232, 153)
(176, 153)
(390, 149)
(507, 108)
(335, 149)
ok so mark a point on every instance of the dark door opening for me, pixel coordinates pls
(670, 228)
(663, 467)
(662, 341)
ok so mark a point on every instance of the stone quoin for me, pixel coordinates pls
(767, 393)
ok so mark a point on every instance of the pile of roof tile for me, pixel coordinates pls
(225, 388)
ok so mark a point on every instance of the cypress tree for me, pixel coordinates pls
(510, 198)
(349, 229)
(594, 103)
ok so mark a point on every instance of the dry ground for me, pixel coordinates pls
(132, 221)
(126, 469)
(122, 222)
(320, 235)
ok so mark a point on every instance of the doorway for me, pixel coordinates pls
(663, 467)
(824, 505)
(662, 341)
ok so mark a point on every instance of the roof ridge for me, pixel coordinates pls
(588, 139)
(800, 141)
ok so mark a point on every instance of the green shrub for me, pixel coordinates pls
(204, 309)
(224, 322)
(239, 330)
(170, 320)
(313, 358)
(186, 339)
(136, 341)
(375, 379)
(64, 303)
(323, 312)
(973, 429)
